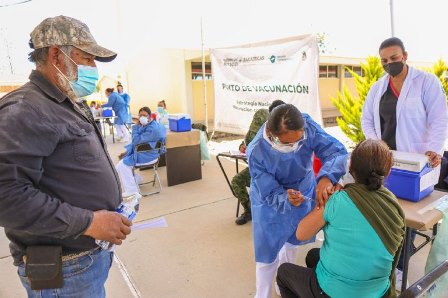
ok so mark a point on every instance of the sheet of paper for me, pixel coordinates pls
(150, 224)
(236, 152)
(430, 179)
(434, 205)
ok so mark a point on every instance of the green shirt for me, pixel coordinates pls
(353, 259)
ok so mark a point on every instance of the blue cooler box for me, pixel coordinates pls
(408, 185)
(179, 124)
(411, 178)
(107, 112)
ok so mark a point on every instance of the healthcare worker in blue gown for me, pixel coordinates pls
(145, 131)
(116, 102)
(127, 102)
(283, 187)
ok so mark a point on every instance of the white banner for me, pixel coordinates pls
(249, 78)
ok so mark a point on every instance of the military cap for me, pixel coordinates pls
(66, 31)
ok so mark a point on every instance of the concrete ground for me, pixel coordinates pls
(202, 252)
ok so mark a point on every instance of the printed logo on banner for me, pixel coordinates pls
(247, 79)
(236, 61)
(251, 60)
(279, 58)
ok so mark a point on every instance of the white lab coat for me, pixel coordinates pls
(421, 113)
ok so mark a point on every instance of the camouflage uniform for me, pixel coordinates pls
(242, 180)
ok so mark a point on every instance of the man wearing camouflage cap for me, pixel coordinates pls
(58, 185)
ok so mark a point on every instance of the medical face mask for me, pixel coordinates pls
(394, 68)
(87, 78)
(160, 109)
(288, 148)
(143, 120)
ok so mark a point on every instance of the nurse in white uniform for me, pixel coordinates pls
(406, 108)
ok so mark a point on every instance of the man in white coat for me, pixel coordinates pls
(406, 108)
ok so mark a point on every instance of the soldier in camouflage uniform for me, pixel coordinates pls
(242, 180)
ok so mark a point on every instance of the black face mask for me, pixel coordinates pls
(394, 68)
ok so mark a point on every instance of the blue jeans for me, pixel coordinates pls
(83, 277)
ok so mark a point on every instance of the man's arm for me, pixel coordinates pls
(23, 206)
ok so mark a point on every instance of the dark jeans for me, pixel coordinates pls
(299, 282)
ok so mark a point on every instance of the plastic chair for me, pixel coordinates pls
(128, 126)
(145, 147)
(421, 286)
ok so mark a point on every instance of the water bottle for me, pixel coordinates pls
(128, 208)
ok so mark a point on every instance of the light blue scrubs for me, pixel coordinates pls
(116, 102)
(274, 218)
(151, 134)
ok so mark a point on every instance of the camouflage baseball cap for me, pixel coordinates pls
(66, 31)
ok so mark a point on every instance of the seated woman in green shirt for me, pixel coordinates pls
(364, 229)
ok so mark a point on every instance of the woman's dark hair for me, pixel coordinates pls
(163, 102)
(275, 104)
(285, 117)
(390, 42)
(371, 161)
(146, 109)
(110, 90)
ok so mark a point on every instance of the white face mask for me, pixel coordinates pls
(285, 148)
(143, 120)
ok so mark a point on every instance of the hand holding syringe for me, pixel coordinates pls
(296, 198)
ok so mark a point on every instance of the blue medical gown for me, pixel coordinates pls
(127, 101)
(274, 219)
(116, 102)
(151, 134)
